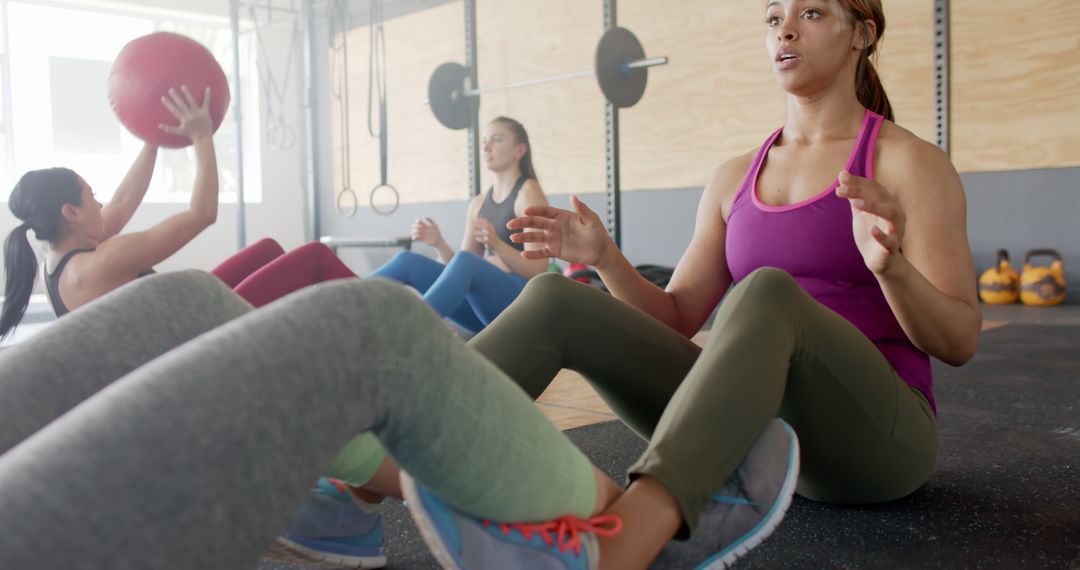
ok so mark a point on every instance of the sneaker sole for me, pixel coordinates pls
(285, 550)
(729, 555)
(423, 522)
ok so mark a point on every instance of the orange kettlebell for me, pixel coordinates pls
(1042, 285)
(1000, 285)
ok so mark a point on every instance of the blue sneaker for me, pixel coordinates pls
(463, 542)
(747, 509)
(333, 529)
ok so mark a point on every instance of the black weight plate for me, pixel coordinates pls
(621, 86)
(454, 112)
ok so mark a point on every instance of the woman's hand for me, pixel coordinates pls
(195, 121)
(427, 231)
(483, 232)
(877, 221)
(577, 237)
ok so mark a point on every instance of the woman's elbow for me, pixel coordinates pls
(203, 219)
(961, 350)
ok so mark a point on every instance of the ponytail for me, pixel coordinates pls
(20, 265)
(868, 86)
(37, 200)
(869, 89)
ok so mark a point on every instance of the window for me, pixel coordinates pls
(5, 112)
(60, 55)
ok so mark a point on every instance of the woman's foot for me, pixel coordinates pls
(747, 509)
(334, 528)
(463, 542)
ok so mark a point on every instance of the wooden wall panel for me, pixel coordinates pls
(717, 98)
(528, 39)
(906, 64)
(1015, 84)
(427, 160)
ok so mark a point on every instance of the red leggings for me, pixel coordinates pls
(262, 272)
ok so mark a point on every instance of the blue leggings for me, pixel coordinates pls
(468, 290)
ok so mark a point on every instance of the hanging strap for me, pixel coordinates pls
(377, 88)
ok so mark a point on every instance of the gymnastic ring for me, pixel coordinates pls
(355, 203)
(397, 200)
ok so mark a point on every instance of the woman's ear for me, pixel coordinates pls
(71, 213)
(867, 35)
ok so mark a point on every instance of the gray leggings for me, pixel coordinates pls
(865, 435)
(167, 425)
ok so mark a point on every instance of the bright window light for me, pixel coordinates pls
(59, 58)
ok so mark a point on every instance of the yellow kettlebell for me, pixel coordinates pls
(1042, 285)
(1000, 285)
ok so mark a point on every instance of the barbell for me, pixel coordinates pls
(621, 70)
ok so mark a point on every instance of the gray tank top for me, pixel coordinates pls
(499, 213)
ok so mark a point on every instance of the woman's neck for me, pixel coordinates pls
(823, 117)
(504, 183)
(72, 242)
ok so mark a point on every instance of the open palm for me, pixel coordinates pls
(194, 117)
(577, 236)
(877, 220)
(426, 231)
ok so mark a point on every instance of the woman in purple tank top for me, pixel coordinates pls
(840, 250)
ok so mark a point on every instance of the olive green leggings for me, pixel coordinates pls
(774, 351)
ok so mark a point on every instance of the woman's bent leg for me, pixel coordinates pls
(246, 261)
(159, 469)
(304, 266)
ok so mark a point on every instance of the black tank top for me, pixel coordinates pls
(498, 213)
(52, 281)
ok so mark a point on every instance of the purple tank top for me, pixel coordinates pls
(812, 241)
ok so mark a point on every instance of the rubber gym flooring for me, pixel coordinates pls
(1006, 492)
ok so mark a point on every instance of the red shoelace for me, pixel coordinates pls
(564, 533)
(340, 486)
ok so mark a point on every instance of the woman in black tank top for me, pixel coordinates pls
(473, 285)
(88, 257)
(83, 235)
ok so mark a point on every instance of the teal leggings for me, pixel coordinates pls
(773, 351)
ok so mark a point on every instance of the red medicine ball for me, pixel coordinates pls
(147, 68)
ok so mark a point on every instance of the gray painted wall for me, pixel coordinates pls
(1017, 211)
(1025, 210)
(657, 225)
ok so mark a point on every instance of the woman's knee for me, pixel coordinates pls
(561, 298)
(550, 287)
(268, 245)
(465, 259)
(187, 288)
(376, 302)
(770, 281)
(766, 298)
(406, 256)
(410, 268)
(184, 283)
(315, 248)
(766, 286)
